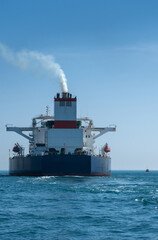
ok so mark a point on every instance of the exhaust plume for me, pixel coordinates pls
(37, 63)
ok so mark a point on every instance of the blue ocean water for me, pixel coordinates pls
(122, 206)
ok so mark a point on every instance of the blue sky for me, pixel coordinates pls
(109, 53)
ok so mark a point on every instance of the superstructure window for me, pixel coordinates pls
(62, 103)
(68, 103)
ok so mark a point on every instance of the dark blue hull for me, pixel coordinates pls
(60, 165)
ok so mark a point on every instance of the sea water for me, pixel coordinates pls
(122, 206)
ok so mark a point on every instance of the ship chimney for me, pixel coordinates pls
(65, 95)
(65, 112)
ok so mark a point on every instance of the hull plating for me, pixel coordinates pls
(60, 165)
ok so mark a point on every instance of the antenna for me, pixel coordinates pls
(47, 110)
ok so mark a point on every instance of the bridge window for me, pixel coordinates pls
(62, 103)
(68, 103)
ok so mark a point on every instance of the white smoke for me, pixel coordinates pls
(39, 64)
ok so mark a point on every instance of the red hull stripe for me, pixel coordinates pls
(65, 99)
(65, 124)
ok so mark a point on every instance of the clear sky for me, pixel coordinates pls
(108, 50)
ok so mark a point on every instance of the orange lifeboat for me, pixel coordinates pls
(16, 148)
(106, 148)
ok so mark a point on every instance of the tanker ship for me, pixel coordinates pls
(61, 144)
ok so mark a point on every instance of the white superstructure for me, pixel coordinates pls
(62, 133)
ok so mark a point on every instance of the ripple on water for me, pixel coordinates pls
(123, 205)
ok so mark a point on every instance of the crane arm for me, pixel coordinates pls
(20, 131)
(103, 131)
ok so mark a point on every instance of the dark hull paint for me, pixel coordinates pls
(60, 165)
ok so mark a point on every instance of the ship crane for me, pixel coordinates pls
(94, 129)
(103, 131)
(89, 135)
(20, 131)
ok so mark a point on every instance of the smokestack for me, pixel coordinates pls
(65, 95)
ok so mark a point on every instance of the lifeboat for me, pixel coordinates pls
(106, 148)
(16, 149)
